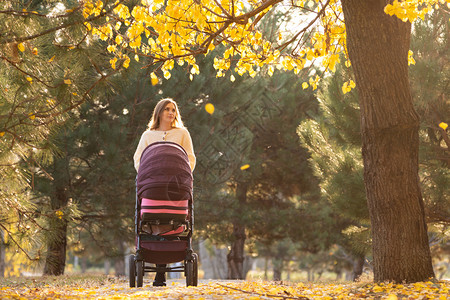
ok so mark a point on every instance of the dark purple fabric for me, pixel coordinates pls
(163, 252)
(164, 173)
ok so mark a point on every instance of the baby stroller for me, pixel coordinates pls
(164, 201)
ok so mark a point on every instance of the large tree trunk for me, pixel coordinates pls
(235, 257)
(56, 246)
(378, 48)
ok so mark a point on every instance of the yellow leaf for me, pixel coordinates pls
(411, 60)
(2, 133)
(154, 79)
(347, 63)
(111, 48)
(377, 289)
(126, 63)
(88, 26)
(245, 167)
(209, 108)
(30, 79)
(21, 47)
(305, 85)
(119, 40)
(113, 62)
(35, 51)
(59, 214)
(352, 84)
(52, 58)
(347, 86)
(232, 78)
(443, 125)
(392, 297)
(31, 116)
(67, 81)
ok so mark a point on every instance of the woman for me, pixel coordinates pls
(165, 125)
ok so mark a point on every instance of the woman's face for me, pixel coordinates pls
(168, 114)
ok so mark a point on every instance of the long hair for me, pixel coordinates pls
(160, 106)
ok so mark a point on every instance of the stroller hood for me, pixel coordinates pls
(164, 173)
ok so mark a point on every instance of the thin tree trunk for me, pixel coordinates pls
(378, 48)
(277, 263)
(358, 265)
(2, 254)
(119, 261)
(56, 246)
(235, 257)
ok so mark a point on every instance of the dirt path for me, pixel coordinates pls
(66, 287)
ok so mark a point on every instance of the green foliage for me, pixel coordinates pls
(49, 66)
(333, 139)
(430, 84)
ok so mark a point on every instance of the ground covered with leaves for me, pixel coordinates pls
(104, 287)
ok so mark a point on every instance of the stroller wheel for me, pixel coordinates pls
(139, 273)
(192, 271)
(132, 270)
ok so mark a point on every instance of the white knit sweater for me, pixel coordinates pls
(180, 136)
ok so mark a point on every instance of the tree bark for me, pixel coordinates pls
(56, 246)
(235, 257)
(358, 264)
(277, 263)
(2, 254)
(56, 251)
(378, 47)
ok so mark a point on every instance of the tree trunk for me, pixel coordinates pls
(56, 246)
(56, 251)
(2, 254)
(358, 265)
(277, 263)
(235, 257)
(378, 48)
(119, 261)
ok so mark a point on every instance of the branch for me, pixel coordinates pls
(92, 18)
(28, 13)
(281, 47)
(267, 295)
(17, 244)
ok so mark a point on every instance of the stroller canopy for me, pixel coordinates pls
(164, 173)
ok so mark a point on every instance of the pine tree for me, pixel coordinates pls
(333, 139)
(50, 66)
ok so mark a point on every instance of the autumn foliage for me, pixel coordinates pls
(169, 32)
